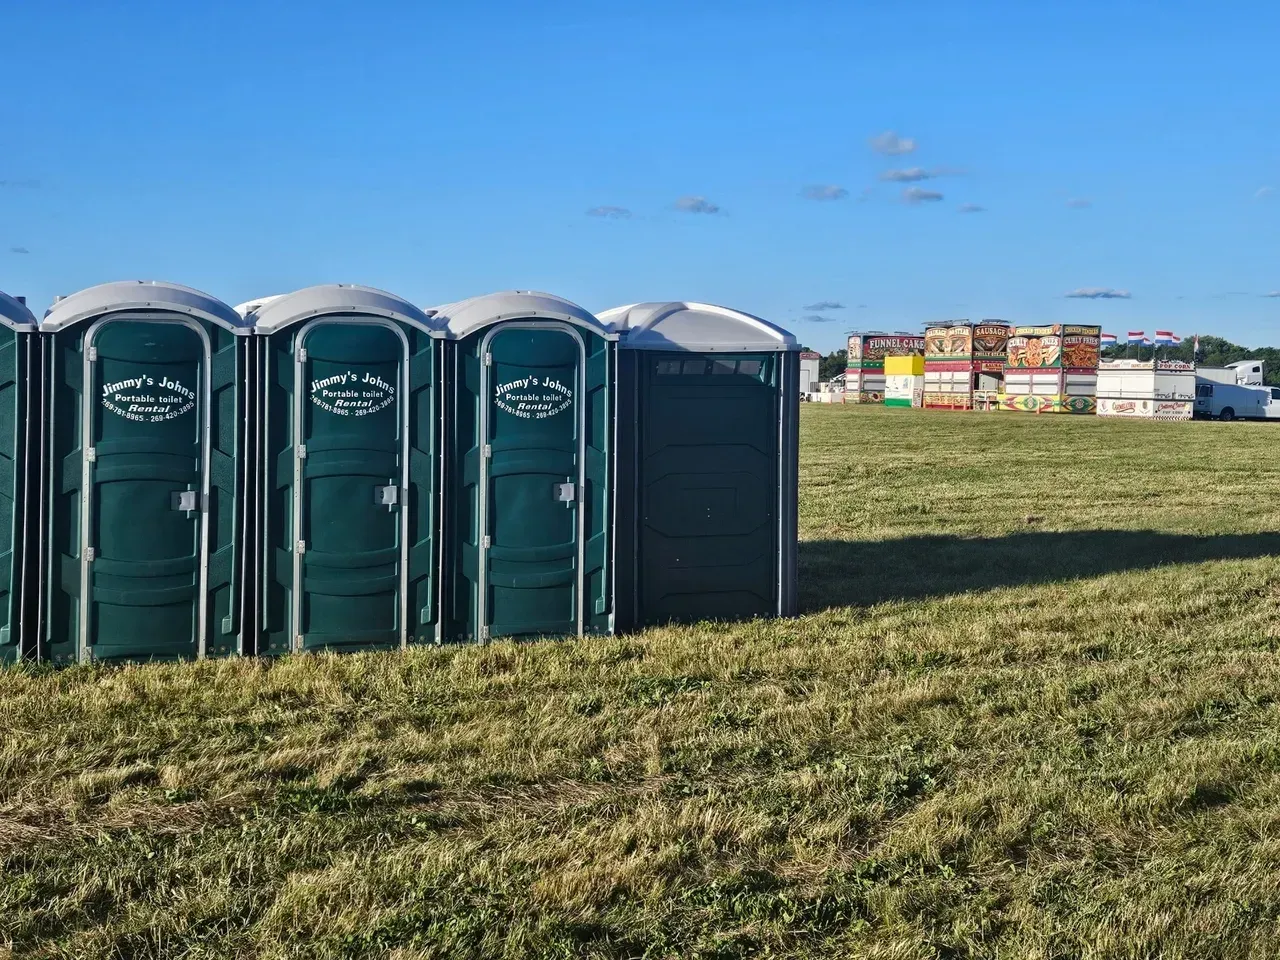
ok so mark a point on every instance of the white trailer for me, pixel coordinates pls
(1237, 401)
(1240, 372)
(1154, 390)
(809, 366)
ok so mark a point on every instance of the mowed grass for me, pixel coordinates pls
(1032, 710)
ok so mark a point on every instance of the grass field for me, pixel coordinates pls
(1032, 710)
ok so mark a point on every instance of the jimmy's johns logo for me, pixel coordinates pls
(145, 400)
(533, 398)
(352, 394)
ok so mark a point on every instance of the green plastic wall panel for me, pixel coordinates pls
(707, 485)
(15, 447)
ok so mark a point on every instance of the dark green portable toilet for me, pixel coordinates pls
(20, 427)
(708, 424)
(529, 427)
(350, 472)
(146, 474)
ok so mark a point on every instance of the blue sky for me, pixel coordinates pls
(441, 151)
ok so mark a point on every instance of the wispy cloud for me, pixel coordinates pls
(1264, 192)
(610, 213)
(1099, 293)
(827, 191)
(19, 250)
(862, 306)
(920, 195)
(696, 205)
(971, 208)
(1079, 203)
(1273, 293)
(817, 318)
(20, 184)
(908, 175)
(825, 305)
(892, 145)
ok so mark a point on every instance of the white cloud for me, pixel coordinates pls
(1079, 203)
(1099, 293)
(1264, 192)
(611, 213)
(19, 250)
(971, 208)
(892, 145)
(818, 318)
(1273, 293)
(920, 195)
(696, 205)
(825, 192)
(825, 305)
(909, 175)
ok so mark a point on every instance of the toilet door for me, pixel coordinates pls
(145, 490)
(531, 481)
(351, 455)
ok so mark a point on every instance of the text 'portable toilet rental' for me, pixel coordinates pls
(708, 424)
(350, 470)
(530, 432)
(149, 424)
(20, 422)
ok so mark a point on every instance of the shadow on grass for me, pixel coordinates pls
(840, 573)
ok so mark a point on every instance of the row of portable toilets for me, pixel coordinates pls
(338, 469)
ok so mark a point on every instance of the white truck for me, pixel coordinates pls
(1240, 372)
(1236, 392)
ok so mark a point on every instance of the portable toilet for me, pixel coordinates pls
(350, 470)
(20, 423)
(529, 438)
(149, 422)
(707, 464)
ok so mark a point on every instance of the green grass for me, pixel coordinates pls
(1032, 710)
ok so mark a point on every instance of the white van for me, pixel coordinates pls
(1229, 401)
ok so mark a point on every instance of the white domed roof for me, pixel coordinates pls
(129, 295)
(695, 328)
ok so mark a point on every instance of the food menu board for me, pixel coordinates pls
(936, 341)
(983, 342)
(868, 350)
(1057, 346)
(990, 341)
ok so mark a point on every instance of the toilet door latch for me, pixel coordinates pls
(387, 496)
(567, 493)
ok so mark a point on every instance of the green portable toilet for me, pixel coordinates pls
(708, 423)
(146, 474)
(350, 472)
(20, 426)
(529, 427)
